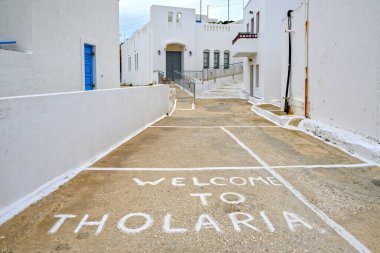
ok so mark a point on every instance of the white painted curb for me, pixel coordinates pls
(173, 109)
(354, 144)
(346, 141)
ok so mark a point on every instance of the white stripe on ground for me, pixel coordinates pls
(174, 107)
(326, 166)
(335, 226)
(329, 166)
(178, 109)
(176, 169)
(214, 127)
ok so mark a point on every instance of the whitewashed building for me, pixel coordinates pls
(342, 55)
(58, 46)
(176, 39)
(260, 43)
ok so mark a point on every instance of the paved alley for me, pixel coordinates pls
(217, 178)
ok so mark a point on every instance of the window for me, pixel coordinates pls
(226, 60)
(137, 66)
(179, 18)
(129, 63)
(206, 59)
(170, 17)
(251, 77)
(257, 76)
(252, 25)
(247, 27)
(216, 59)
(136, 62)
(257, 22)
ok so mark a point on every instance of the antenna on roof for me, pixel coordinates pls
(200, 2)
(228, 10)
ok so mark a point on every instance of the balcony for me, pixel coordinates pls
(244, 45)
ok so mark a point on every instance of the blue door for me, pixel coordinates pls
(88, 67)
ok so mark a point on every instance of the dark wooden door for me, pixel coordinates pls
(173, 63)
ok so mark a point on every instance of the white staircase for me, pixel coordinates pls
(226, 90)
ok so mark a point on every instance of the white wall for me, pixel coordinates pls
(215, 37)
(269, 46)
(45, 136)
(165, 33)
(138, 45)
(158, 33)
(16, 24)
(297, 78)
(344, 64)
(58, 30)
(275, 11)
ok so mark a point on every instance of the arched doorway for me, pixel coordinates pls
(174, 54)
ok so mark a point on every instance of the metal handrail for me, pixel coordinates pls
(213, 73)
(161, 75)
(229, 66)
(185, 82)
(194, 74)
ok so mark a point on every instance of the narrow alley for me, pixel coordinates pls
(215, 178)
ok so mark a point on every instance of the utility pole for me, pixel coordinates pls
(228, 10)
(200, 9)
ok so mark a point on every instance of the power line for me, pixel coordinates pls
(134, 18)
(217, 6)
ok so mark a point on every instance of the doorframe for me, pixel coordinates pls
(166, 60)
(182, 51)
(92, 43)
(251, 80)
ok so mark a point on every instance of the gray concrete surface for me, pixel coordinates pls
(222, 179)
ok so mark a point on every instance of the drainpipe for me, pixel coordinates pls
(287, 107)
(306, 59)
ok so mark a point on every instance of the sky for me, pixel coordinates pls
(134, 14)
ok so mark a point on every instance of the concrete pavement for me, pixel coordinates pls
(215, 179)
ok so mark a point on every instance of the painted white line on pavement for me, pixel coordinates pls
(178, 109)
(250, 126)
(335, 226)
(214, 126)
(177, 169)
(329, 166)
(173, 109)
(326, 166)
(205, 127)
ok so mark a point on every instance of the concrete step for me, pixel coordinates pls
(229, 90)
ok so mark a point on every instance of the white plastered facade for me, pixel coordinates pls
(344, 64)
(50, 35)
(262, 55)
(150, 43)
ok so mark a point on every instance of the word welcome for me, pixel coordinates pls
(217, 181)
